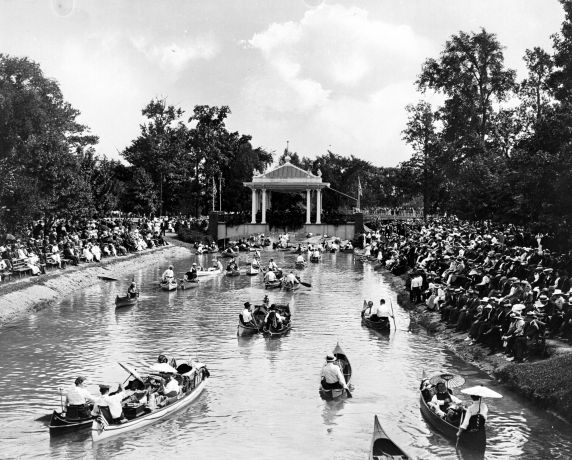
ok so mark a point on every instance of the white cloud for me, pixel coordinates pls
(175, 56)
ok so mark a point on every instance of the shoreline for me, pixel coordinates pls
(34, 293)
(544, 382)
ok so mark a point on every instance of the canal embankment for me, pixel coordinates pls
(20, 296)
(546, 382)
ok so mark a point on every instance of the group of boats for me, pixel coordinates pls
(263, 321)
(143, 407)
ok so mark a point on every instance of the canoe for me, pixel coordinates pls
(381, 326)
(170, 285)
(125, 301)
(232, 273)
(102, 429)
(229, 254)
(62, 423)
(185, 284)
(300, 265)
(343, 362)
(382, 447)
(272, 284)
(252, 271)
(314, 259)
(474, 441)
(244, 329)
(209, 272)
(270, 331)
(290, 287)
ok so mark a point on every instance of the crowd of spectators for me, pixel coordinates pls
(500, 284)
(78, 241)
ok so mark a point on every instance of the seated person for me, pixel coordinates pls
(168, 274)
(270, 277)
(112, 401)
(231, 266)
(170, 387)
(300, 259)
(291, 280)
(331, 376)
(78, 397)
(274, 319)
(255, 263)
(192, 273)
(272, 266)
(443, 399)
(132, 291)
(247, 317)
(426, 390)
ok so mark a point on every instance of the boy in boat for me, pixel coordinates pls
(78, 397)
(331, 375)
(168, 274)
(132, 291)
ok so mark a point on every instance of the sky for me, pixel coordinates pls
(323, 75)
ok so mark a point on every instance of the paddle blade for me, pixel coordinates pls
(348, 393)
(305, 284)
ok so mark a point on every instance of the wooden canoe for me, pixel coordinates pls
(381, 326)
(248, 329)
(232, 273)
(291, 287)
(170, 285)
(270, 331)
(125, 301)
(382, 447)
(187, 284)
(470, 441)
(300, 265)
(314, 259)
(273, 284)
(344, 363)
(252, 271)
(60, 423)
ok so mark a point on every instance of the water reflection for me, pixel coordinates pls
(263, 391)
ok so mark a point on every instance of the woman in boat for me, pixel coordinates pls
(112, 401)
(331, 375)
(231, 266)
(443, 399)
(192, 273)
(168, 274)
(475, 418)
(272, 266)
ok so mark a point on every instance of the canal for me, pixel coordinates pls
(262, 399)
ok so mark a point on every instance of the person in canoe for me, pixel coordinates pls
(112, 401)
(255, 264)
(475, 416)
(79, 397)
(272, 266)
(443, 400)
(291, 280)
(300, 260)
(192, 273)
(218, 264)
(247, 317)
(270, 277)
(232, 266)
(132, 291)
(331, 375)
(168, 274)
(274, 319)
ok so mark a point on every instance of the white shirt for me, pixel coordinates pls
(417, 282)
(332, 373)
(246, 315)
(291, 278)
(173, 385)
(270, 276)
(113, 402)
(473, 409)
(272, 266)
(300, 259)
(383, 310)
(76, 396)
(168, 274)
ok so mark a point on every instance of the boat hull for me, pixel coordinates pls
(346, 368)
(289, 287)
(380, 326)
(232, 273)
(382, 446)
(314, 259)
(59, 424)
(208, 273)
(253, 271)
(300, 265)
(125, 301)
(188, 284)
(273, 284)
(100, 429)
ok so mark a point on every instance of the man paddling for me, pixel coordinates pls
(331, 375)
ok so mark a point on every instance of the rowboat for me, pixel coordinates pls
(344, 364)
(382, 447)
(271, 329)
(67, 421)
(102, 429)
(252, 271)
(188, 284)
(125, 301)
(474, 441)
(383, 325)
(272, 284)
(169, 285)
(232, 273)
(247, 329)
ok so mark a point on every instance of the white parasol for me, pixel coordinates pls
(481, 391)
(518, 307)
(163, 368)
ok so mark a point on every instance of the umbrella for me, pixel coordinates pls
(164, 368)
(451, 380)
(481, 391)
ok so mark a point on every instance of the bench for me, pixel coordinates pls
(20, 266)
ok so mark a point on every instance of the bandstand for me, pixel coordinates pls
(287, 178)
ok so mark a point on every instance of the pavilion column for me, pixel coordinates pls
(318, 206)
(263, 206)
(308, 207)
(253, 221)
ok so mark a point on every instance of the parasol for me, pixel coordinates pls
(481, 391)
(451, 380)
(163, 368)
(131, 370)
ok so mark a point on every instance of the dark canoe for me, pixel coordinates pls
(232, 273)
(474, 441)
(273, 284)
(381, 326)
(290, 287)
(346, 368)
(125, 301)
(60, 423)
(229, 254)
(300, 265)
(383, 447)
(247, 329)
(314, 259)
(270, 331)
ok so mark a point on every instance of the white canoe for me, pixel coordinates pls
(100, 429)
(209, 272)
(170, 285)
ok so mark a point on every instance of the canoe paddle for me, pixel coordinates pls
(308, 285)
(348, 393)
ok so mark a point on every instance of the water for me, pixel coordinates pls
(262, 399)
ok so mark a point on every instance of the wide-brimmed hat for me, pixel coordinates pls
(330, 359)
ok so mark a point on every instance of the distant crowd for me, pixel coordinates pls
(500, 284)
(72, 242)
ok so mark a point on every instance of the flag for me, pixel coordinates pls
(359, 189)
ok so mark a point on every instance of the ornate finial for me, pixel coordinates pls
(287, 158)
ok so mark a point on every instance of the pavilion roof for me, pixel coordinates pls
(287, 177)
